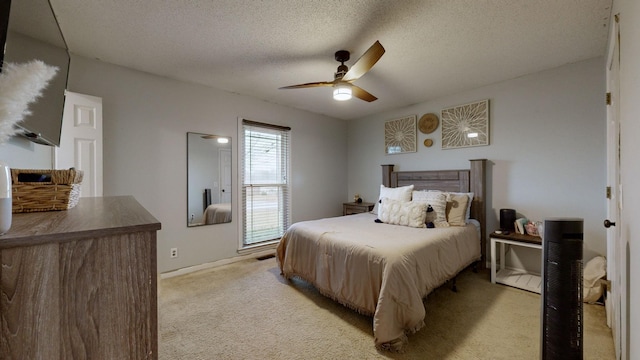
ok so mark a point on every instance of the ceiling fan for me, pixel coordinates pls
(344, 77)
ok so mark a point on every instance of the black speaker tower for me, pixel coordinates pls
(562, 312)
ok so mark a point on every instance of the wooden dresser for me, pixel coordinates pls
(81, 283)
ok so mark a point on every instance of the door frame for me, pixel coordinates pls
(224, 174)
(616, 264)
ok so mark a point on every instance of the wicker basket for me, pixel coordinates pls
(55, 190)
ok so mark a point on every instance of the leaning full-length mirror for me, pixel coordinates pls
(208, 179)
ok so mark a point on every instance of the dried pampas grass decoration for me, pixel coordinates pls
(20, 85)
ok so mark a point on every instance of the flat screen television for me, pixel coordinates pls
(29, 31)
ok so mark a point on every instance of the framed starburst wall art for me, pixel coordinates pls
(400, 135)
(465, 125)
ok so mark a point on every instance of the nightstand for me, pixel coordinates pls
(350, 208)
(516, 278)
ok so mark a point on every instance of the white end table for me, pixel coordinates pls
(516, 278)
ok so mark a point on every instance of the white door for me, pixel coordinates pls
(81, 140)
(225, 175)
(616, 264)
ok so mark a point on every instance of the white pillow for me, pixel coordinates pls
(402, 193)
(406, 213)
(438, 202)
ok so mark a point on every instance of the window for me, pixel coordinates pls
(265, 182)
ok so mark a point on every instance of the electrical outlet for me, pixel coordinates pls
(174, 253)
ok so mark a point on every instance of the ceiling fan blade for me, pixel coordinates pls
(362, 94)
(365, 62)
(308, 85)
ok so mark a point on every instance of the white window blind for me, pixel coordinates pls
(265, 182)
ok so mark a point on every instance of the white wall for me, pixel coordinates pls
(146, 118)
(21, 153)
(628, 225)
(546, 153)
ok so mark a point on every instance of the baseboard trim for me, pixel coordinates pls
(259, 247)
(209, 265)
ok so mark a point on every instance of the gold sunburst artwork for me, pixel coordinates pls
(400, 135)
(465, 125)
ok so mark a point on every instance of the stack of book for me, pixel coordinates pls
(519, 225)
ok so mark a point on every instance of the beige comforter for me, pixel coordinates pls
(217, 213)
(377, 269)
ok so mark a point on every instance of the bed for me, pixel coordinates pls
(386, 270)
(217, 213)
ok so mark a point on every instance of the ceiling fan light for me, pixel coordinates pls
(342, 93)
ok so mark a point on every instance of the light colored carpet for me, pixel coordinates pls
(246, 310)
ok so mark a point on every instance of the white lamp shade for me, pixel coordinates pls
(342, 92)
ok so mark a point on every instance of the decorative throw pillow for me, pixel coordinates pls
(406, 213)
(437, 201)
(469, 194)
(457, 209)
(402, 193)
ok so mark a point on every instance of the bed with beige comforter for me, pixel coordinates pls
(377, 269)
(217, 213)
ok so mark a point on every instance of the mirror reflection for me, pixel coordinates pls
(208, 179)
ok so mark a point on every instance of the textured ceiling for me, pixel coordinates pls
(433, 47)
